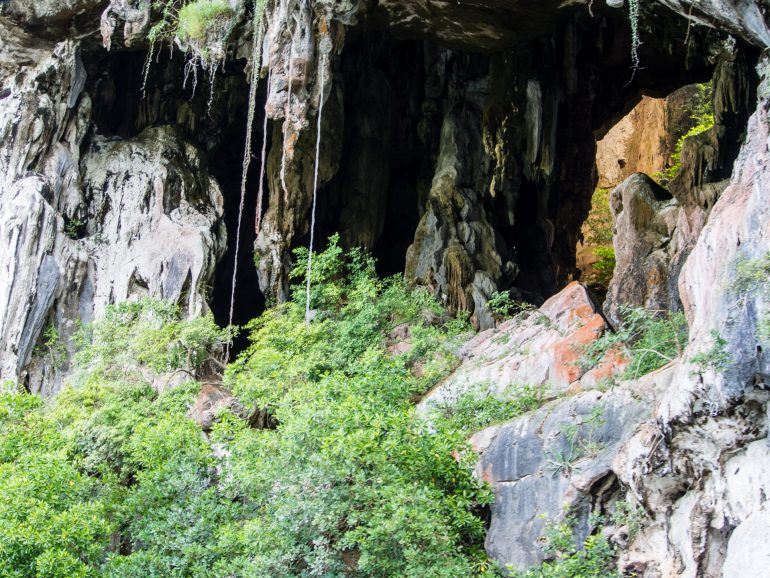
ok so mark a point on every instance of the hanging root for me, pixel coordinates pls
(633, 16)
(258, 221)
(256, 58)
(315, 182)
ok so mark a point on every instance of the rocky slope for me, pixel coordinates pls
(458, 144)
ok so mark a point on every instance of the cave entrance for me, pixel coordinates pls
(648, 140)
(227, 166)
(211, 119)
(386, 164)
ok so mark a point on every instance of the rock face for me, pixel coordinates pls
(556, 462)
(458, 142)
(155, 220)
(644, 218)
(539, 348)
(87, 222)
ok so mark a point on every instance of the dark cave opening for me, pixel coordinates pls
(213, 121)
(227, 167)
(386, 164)
(394, 104)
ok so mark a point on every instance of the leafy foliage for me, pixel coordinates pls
(113, 479)
(149, 335)
(198, 18)
(593, 560)
(503, 306)
(650, 339)
(715, 358)
(476, 409)
(597, 233)
(703, 120)
(52, 347)
(351, 482)
(604, 268)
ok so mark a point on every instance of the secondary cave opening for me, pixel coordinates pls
(214, 121)
(386, 162)
(227, 167)
(685, 140)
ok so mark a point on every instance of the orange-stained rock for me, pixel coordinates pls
(568, 306)
(211, 400)
(613, 363)
(565, 354)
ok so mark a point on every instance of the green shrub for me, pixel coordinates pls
(200, 17)
(703, 120)
(149, 334)
(715, 358)
(594, 559)
(351, 483)
(476, 409)
(604, 267)
(113, 479)
(501, 305)
(597, 233)
(651, 339)
(597, 229)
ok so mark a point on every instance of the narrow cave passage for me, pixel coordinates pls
(214, 121)
(386, 163)
(227, 167)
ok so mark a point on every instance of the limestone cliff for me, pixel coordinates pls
(458, 144)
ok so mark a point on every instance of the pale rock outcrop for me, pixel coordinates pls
(154, 220)
(636, 144)
(539, 348)
(86, 222)
(557, 462)
(458, 258)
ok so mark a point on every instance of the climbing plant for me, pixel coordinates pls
(633, 16)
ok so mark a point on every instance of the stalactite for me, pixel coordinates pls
(256, 58)
(286, 125)
(325, 48)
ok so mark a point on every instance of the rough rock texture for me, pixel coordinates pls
(537, 348)
(693, 456)
(637, 144)
(484, 165)
(154, 223)
(86, 223)
(556, 462)
(644, 217)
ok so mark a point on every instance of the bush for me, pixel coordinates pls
(651, 339)
(113, 479)
(149, 334)
(198, 18)
(595, 559)
(351, 483)
(703, 120)
(476, 409)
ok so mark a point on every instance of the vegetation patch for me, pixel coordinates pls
(595, 558)
(703, 120)
(477, 409)
(597, 235)
(651, 339)
(113, 479)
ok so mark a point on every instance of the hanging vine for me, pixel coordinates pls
(633, 16)
(258, 21)
(200, 28)
(325, 45)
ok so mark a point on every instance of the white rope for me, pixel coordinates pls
(256, 63)
(315, 188)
